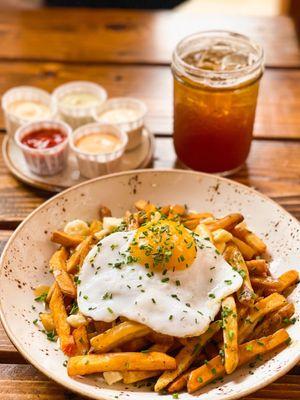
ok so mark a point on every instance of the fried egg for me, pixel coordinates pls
(161, 275)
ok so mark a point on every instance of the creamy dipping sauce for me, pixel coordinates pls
(29, 110)
(119, 115)
(98, 143)
(80, 100)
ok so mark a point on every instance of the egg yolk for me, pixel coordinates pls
(163, 245)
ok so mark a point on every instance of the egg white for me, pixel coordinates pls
(182, 306)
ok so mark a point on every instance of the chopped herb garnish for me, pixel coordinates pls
(41, 298)
(74, 308)
(51, 336)
(107, 296)
(231, 334)
(77, 281)
(110, 310)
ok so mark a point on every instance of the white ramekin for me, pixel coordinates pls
(44, 161)
(133, 128)
(78, 116)
(93, 165)
(25, 93)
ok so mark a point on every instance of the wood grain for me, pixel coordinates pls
(25, 382)
(277, 112)
(83, 35)
(273, 168)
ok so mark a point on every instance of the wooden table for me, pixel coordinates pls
(129, 52)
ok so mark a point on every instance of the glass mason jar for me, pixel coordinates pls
(216, 81)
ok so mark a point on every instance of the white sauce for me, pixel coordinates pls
(80, 100)
(118, 116)
(29, 110)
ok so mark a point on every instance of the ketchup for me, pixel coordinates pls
(44, 138)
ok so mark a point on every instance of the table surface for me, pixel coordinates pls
(129, 52)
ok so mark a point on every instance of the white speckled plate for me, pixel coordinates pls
(139, 157)
(25, 258)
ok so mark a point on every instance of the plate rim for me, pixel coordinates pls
(85, 391)
(52, 188)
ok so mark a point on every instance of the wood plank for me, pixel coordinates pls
(25, 382)
(273, 168)
(130, 36)
(277, 111)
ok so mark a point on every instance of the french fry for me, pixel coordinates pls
(230, 334)
(104, 212)
(95, 226)
(66, 240)
(65, 282)
(75, 262)
(243, 233)
(247, 351)
(267, 283)
(136, 376)
(118, 335)
(203, 231)
(93, 363)
(191, 223)
(261, 308)
(245, 294)
(221, 236)
(227, 223)
(199, 216)
(247, 251)
(178, 209)
(50, 292)
(141, 205)
(81, 340)
(258, 267)
(47, 321)
(220, 246)
(288, 279)
(274, 321)
(62, 327)
(186, 356)
(179, 383)
(58, 266)
(58, 260)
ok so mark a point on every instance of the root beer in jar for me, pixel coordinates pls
(216, 81)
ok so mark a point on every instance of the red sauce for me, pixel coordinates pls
(44, 138)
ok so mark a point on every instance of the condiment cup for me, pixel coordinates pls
(25, 93)
(133, 126)
(93, 165)
(47, 161)
(77, 116)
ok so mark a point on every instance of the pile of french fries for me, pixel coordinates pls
(251, 322)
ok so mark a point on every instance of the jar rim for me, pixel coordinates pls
(191, 70)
